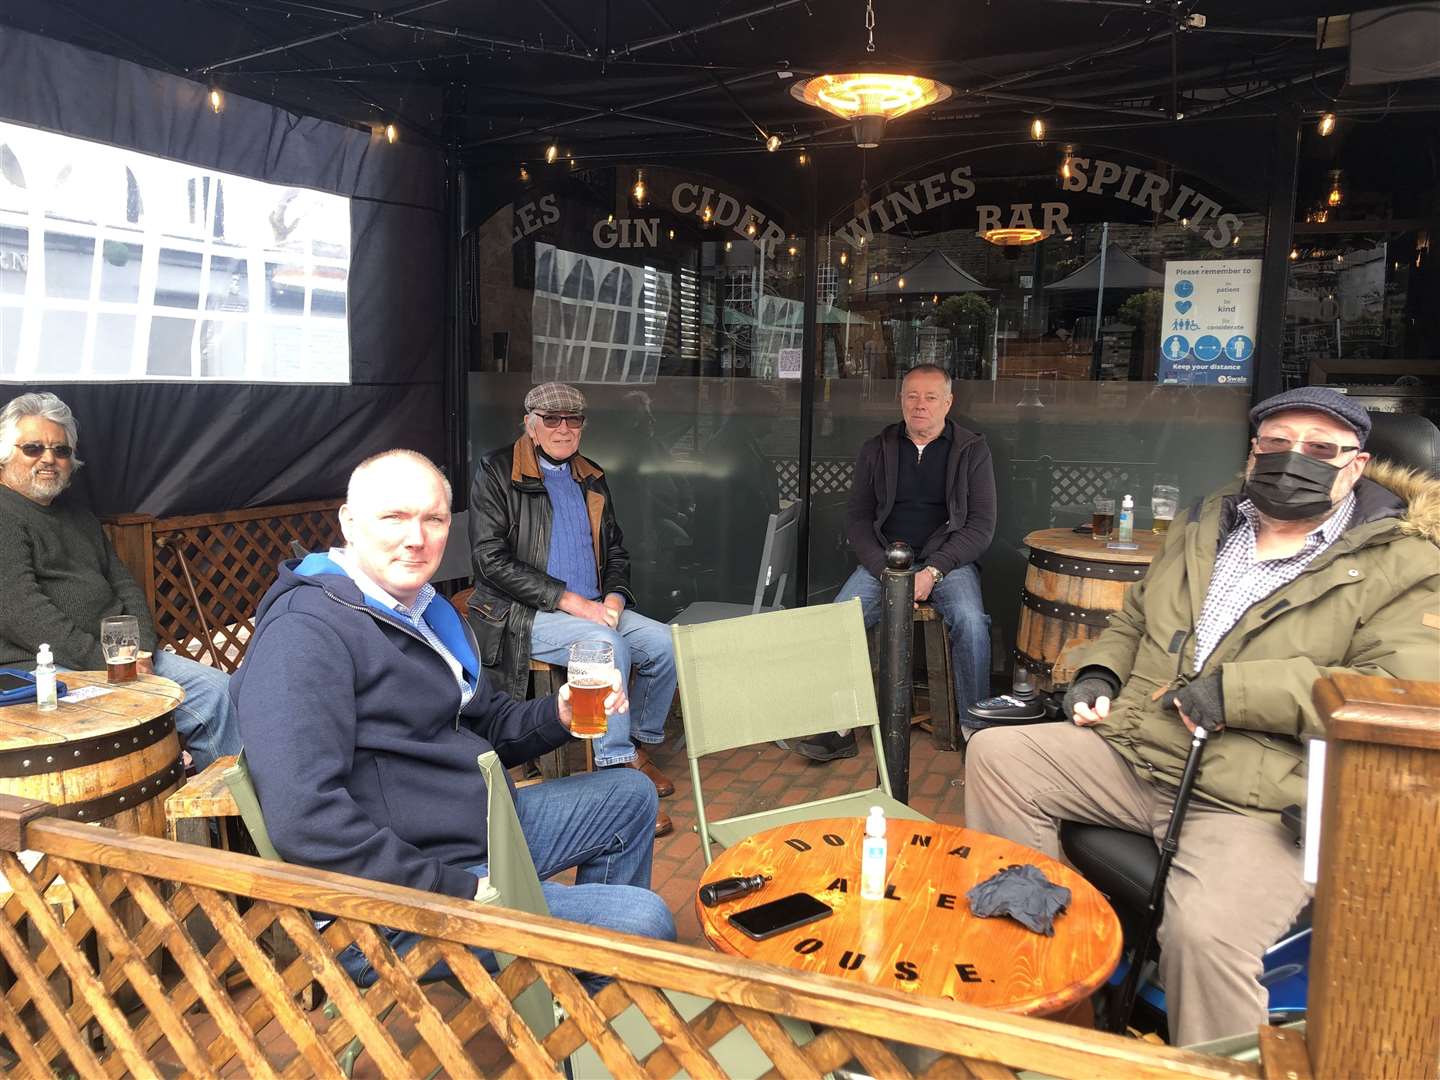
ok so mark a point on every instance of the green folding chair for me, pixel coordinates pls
(778, 675)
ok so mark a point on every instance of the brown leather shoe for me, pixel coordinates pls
(663, 785)
(663, 825)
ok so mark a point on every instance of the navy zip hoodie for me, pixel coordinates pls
(363, 760)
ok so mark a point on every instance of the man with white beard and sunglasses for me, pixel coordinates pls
(59, 576)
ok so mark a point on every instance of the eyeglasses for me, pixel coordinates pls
(62, 452)
(573, 421)
(1320, 451)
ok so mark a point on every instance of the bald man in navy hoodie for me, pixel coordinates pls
(363, 709)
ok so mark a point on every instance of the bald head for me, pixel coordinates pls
(396, 519)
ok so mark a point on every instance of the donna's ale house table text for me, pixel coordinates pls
(922, 937)
(110, 756)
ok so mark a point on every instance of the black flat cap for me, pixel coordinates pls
(1318, 399)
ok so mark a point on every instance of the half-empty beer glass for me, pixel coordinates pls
(591, 675)
(120, 642)
(1164, 501)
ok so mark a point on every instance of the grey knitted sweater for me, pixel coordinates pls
(59, 577)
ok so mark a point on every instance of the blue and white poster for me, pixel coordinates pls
(1207, 330)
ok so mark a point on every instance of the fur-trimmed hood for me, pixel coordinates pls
(1420, 493)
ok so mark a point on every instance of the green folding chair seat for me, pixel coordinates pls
(779, 675)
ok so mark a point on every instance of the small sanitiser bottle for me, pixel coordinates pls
(45, 679)
(1126, 527)
(872, 857)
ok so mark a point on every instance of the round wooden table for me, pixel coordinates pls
(922, 938)
(112, 757)
(1073, 584)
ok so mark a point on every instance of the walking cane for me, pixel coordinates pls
(1153, 908)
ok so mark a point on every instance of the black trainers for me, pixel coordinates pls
(828, 747)
(1008, 709)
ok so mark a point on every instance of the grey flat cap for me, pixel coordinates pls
(1319, 399)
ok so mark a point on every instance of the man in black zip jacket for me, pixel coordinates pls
(929, 482)
(363, 708)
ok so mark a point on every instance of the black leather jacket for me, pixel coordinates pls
(510, 519)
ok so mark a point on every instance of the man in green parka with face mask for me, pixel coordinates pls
(1321, 561)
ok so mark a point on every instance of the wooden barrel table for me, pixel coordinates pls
(112, 756)
(1072, 585)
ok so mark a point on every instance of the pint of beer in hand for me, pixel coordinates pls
(591, 676)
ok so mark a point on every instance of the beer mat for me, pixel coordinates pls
(1115, 545)
(85, 693)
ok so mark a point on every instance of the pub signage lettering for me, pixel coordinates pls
(1096, 176)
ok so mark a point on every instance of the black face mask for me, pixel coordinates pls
(1291, 486)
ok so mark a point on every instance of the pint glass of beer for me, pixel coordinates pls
(1164, 501)
(120, 642)
(591, 676)
(1102, 520)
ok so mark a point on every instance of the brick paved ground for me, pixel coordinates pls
(761, 777)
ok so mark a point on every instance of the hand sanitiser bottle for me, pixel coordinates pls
(1126, 527)
(45, 680)
(872, 858)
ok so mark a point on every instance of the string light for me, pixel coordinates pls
(804, 158)
(1066, 168)
(728, 245)
(844, 257)
(791, 250)
(750, 229)
(672, 234)
(900, 282)
(1326, 126)
(1037, 129)
(772, 143)
(552, 154)
(217, 100)
(706, 214)
(524, 174)
(1294, 254)
(392, 133)
(638, 191)
(1337, 190)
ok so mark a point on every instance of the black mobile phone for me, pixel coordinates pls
(777, 916)
(11, 681)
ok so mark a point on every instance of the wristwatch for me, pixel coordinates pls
(938, 575)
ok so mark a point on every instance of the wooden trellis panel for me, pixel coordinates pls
(187, 988)
(204, 574)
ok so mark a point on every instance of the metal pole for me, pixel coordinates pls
(896, 619)
(1099, 302)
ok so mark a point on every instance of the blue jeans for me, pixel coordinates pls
(957, 598)
(205, 720)
(639, 642)
(603, 825)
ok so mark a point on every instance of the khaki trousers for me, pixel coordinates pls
(1234, 886)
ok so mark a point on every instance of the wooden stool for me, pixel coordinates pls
(939, 678)
(203, 798)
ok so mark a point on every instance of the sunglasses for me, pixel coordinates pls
(573, 421)
(35, 450)
(1320, 451)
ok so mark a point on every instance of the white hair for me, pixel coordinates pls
(932, 369)
(45, 405)
(352, 490)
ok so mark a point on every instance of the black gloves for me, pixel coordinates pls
(1203, 701)
(1091, 684)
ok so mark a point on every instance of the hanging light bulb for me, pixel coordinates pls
(552, 153)
(1067, 168)
(772, 143)
(217, 100)
(900, 282)
(1337, 190)
(728, 245)
(1037, 129)
(1326, 126)
(391, 134)
(638, 191)
(750, 229)
(935, 299)
(844, 257)
(706, 214)
(791, 250)
(804, 158)
(524, 174)
(610, 218)
(672, 234)
(1294, 254)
